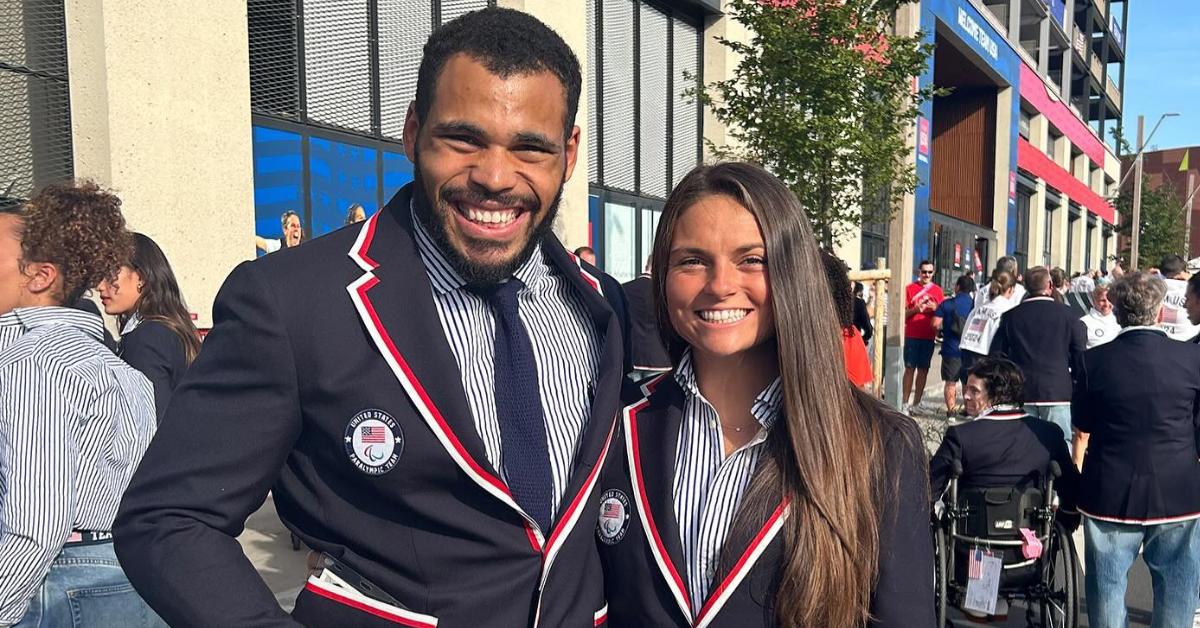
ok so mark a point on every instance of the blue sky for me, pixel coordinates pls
(1162, 72)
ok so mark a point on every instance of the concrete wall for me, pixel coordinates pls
(160, 111)
(569, 19)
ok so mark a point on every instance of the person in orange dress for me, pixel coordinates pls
(858, 363)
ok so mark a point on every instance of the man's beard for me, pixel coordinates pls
(477, 274)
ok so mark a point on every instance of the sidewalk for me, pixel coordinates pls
(269, 546)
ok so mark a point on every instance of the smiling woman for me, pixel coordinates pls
(757, 460)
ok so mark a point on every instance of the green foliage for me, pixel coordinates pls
(1164, 223)
(823, 97)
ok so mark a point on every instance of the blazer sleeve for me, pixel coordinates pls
(153, 350)
(1081, 407)
(862, 319)
(1077, 348)
(941, 464)
(903, 595)
(1067, 485)
(999, 346)
(233, 420)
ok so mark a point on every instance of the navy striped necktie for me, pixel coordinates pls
(524, 448)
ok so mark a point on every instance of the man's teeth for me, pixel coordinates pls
(723, 316)
(502, 217)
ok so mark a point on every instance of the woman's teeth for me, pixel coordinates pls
(502, 217)
(723, 316)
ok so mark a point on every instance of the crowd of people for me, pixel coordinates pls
(469, 424)
(1111, 394)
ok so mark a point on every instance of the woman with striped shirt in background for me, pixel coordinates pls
(758, 486)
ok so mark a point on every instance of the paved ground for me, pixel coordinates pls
(268, 544)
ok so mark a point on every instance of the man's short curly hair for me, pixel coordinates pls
(508, 43)
(1136, 299)
(79, 228)
(1004, 381)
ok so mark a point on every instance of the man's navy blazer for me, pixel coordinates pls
(648, 353)
(307, 343)
(1140, 401)
(1046, 340)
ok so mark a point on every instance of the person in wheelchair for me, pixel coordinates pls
(1003, 459)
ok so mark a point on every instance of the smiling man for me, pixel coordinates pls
(429, 394)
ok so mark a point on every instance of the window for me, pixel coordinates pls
(1023, 124)
(35, 107)
(1072, 218)
(330, 84)
(349, 65)
(1048, 233)
(645, 130)
(1053, 137)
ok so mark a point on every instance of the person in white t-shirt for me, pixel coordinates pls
(293, 234)
(1174, 318)
(999, 296)
(1101, 324)
(1006, 264)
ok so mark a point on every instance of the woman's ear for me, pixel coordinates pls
(43, 277)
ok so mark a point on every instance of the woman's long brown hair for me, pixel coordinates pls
(827, 458)
(161, 299)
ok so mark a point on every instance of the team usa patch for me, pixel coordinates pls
(374, 442)
(614, 516)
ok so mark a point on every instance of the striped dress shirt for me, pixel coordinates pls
(76, 421)
(565, 347)
(708, 485)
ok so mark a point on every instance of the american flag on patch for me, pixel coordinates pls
(975, 565)
(372, 434)
(612, 510)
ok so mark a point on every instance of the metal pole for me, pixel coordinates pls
(1187, 208)
(1135, 231)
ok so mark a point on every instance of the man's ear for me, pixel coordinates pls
(412, 128)
(43, 278)
(572, 153)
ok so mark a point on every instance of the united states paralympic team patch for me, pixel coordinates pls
(374, 442)
(614, 516)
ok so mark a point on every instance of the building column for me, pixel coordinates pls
(1068, 56)
(1043, 58)
(568, 18)
(1058, 246)
(901, 232)
(1014, 22)
(1004, 148)
(160, 112)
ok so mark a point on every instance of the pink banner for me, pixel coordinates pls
(1038, 164)
(1035, 92)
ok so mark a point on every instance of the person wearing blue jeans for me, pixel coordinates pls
(1171, 552)
(1058, 414)
(87, 587)
(1139, 399)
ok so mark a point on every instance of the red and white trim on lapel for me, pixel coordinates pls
(722, 593)
(570, 517)
(589, 278)
(416, 392)
(362, 244)
(600, 616)
(741, 568)
(657, 548)
(365, 604)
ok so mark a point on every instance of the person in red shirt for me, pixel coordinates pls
(858, 363)
(922, 297)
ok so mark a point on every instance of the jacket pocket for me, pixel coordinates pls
(323, 603)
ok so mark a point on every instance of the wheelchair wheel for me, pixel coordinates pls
(940, 578)
(1058, 607)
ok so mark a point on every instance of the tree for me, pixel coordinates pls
(824, 98)
(1164, 223)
